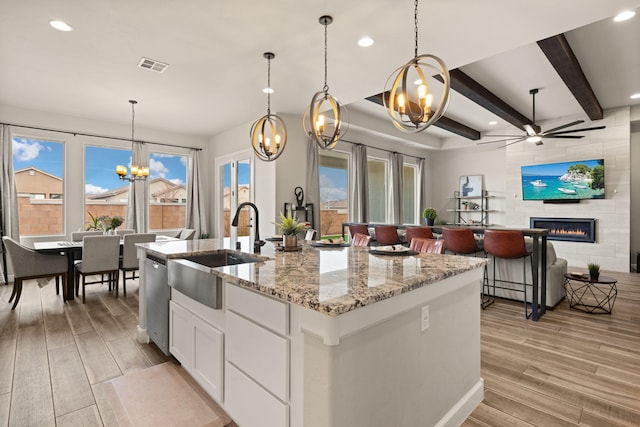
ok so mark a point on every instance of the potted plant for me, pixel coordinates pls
(430, 215)
(290, 227)
(594, 271)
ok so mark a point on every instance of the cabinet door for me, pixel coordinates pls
(207, 361)
(181, 337)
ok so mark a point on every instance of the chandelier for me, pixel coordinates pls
(138, 172)
(407, 97)
(268, 133)
(325, 132)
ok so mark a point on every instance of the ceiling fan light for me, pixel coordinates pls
(635, 96)
(623, 16)
(534, 138)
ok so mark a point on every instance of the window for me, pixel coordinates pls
(409, 194)
(236, 189)
(334, 193)
(167, 191)
(377, 177)
(39, 172)
(105, 193)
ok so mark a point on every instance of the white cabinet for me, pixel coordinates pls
(198, 346)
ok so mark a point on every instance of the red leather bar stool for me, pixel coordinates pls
(387, 235)
(509, 244)
(421, 231)
(359, 239)
(461, 241)
(359, 229)
(427, 246)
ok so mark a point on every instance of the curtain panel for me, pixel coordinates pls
(312, 183)
(360, 199)
(138, 206)
(396, 187)
(196, 207)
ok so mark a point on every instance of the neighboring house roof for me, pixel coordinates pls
(39, 171)
(335, 204)
(124, 189)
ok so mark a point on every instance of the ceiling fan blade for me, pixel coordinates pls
(511, 143)
(519, 138)
(577, 130)
(502, 136)
(564, 136)
(577, 122)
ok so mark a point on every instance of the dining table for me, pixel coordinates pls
(538, 255)
(73, 252)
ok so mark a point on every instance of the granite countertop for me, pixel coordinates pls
(332, 280)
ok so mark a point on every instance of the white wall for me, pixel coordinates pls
(74, 150)
(635, 185)
(501, 170)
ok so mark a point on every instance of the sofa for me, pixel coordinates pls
(512, 270)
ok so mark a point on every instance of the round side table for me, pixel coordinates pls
(591, 296)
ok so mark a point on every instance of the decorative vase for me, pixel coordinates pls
(290, 241)
(594, 275)
(429, 221)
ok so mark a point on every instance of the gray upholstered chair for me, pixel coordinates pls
(77, 236)
(186, 234)
(129, 260)
(29, 264)
(124, 232)
(100, 255)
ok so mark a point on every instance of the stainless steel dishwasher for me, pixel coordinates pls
(158, 295)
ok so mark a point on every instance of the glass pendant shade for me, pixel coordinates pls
(324, 121)
(137, 172)
(412, 105)
(268, 133)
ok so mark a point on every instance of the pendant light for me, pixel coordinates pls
(407, 98)
(137, 172)
(325, 132)
(268, 133)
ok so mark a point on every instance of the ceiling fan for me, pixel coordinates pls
(534, 132)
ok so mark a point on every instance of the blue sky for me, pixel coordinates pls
(244, 172)
(334, 183)
(100, 163)
(555, 169)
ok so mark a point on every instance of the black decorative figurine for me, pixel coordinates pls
(299, 196)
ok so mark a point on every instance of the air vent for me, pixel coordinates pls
(152, 65)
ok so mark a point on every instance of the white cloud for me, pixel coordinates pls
(177, 181)
(157, 168)
(329, 191)
(94, 189)
(183, 160)
(25, 151)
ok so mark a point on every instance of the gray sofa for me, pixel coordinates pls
(512, 270)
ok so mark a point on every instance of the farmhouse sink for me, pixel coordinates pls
(192, 275)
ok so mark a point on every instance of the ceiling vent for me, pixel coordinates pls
(152, 65)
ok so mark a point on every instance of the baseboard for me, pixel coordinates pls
(464, 407)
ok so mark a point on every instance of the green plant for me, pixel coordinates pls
(204, 235)
(94, 224)
(593, 267)
(430, 213)
(289, 226)
(104, 222)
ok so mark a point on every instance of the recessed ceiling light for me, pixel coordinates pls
(267, 90)
(623, 16)
(635, 96)
(493, 123)
(60, 25)
(365, 42)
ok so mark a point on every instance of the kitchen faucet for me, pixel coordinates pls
(257, 243)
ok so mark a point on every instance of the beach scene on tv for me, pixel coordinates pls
(582, 179)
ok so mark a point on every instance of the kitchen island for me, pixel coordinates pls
(333, 336)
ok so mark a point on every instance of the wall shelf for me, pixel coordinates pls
(477, 215)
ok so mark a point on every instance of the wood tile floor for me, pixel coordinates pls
(571, 368)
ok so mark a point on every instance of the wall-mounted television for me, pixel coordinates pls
(583, 179)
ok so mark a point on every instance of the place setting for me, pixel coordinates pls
(392, 250)
(330, 243)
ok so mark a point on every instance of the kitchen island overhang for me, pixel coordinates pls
(359, 351)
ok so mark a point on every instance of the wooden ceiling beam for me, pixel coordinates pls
(561, 56)
(465, 85)
(444, 122)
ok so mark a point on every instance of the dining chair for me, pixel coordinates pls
(418, 231)
(186, 234)
(358, 228)
(387, 235)
(427, 246)
(77, 236)
(125, 232)
(310, 234)
(359, 239)
(129, 260)
(509, 244)
(28, 264)
(100, 255)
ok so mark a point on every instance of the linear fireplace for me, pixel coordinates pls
(567, 229)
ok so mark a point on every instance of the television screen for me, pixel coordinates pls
(582, 179)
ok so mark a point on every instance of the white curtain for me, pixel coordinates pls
(395, 195)
(312, 184)
(138, 207)
(196, 206)
(422, 190)
(10, 226)
(360, 199)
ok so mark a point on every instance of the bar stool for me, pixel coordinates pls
(421, 231)
(509, 244)
(461, 241)
(359, 239)
(387, 235)
(358, 228)
(427, 246)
